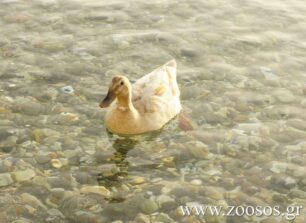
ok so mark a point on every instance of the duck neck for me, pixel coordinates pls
(125, 102)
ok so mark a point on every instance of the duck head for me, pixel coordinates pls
(119, 88)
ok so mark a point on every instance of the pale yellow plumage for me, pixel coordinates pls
(145, 106)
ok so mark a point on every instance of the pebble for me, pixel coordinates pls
(46, 3)
(281, 181)
(284, 96)
(32, 200)
(23, 175)
(85, 178)
(135, 180)
(166, 38)
(278, 167)
(189, 52)
(5, 179)
(213, 192)
(148, 206)
(67, 90)
(28, 106)
(42, 159)
(164, 200)
(8, 144)
(54, 215)
(23, 220)
(268, 73)
(88, 217)
(9, 1)
(196, 182)
(96, 190)
(60, 181)
(162, 217)
(57, 195)
(123, 45)
(198, 149)
(142, 218)
(40, 135)
(242, 143)
(56, 163)
(6, 165)
(122, 41)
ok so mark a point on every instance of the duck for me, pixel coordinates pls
(144, 106)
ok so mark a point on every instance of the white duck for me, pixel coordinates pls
(145, 106)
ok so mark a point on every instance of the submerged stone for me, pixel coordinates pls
(67, 89)
(23, 175)
(95, 190)
(198, 150)
(5, 179)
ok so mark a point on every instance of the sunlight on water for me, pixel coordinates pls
(241, 72)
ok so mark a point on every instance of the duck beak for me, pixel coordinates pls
(109, 98)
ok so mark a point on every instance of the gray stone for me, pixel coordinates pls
(32, 200)
(268, 73)
(198, 150)
(189, 52)
(23, 175)
(284, 96)
(5, 179)
(42, 159)
(148, 206)
(54, 215)
(162, 217)
(88, 217)
(56, 196)
(28, 106)
(100, 190)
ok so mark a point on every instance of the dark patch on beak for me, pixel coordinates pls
(109, 98)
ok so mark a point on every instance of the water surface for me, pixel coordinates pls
(241, 72)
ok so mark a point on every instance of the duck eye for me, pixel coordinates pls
(121, 83)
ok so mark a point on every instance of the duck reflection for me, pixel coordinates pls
(121, 146)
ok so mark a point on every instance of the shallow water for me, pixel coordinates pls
(241, 71)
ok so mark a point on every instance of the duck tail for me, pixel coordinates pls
(185, 122)
(171, 71)
(171, 63)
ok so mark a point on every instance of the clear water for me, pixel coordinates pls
(241, 72)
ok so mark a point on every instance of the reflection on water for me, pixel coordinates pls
(241, 72)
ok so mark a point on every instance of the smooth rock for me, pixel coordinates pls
(196, 182)
(5, 179)
(148, 206)
(57, 195)
(40, 135)
(96, 190)
(164, 200)
(189, 52)
(23, 220)
(56, 163)
(141, 218)
(32, 200)
(42, 159)
(23, 175)
(54, 215)
(28, 106)
(198, 149)
(136, 180)
(284, 96)
(268, 73)
(162, 217)
(88, 217)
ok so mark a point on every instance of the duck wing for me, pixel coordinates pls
(157, 90)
